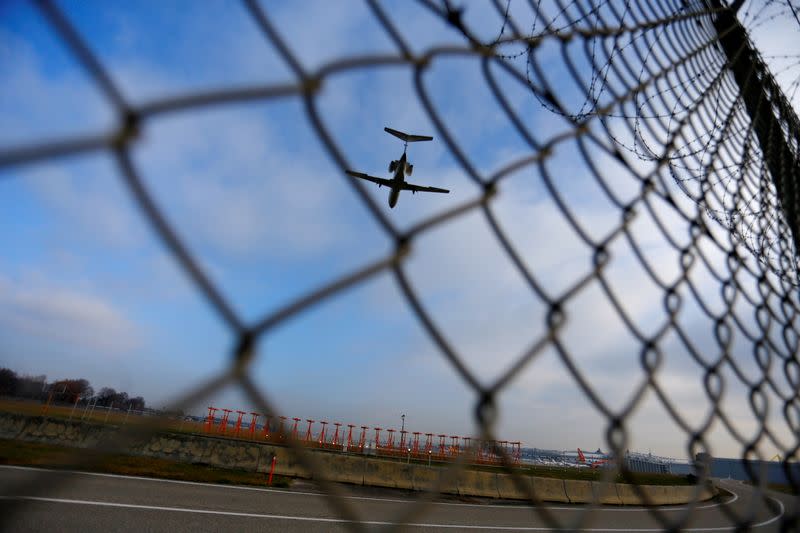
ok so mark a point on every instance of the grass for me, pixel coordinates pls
(20, 453)
(99, 414)
(787, 489)
(779, 487)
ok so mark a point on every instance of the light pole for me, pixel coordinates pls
(403, 426)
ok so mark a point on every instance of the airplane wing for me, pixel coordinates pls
(406, 137)
(419, 188)
(373, 179)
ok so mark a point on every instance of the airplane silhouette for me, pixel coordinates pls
(400, 167)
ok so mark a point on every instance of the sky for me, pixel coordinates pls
(88, 290)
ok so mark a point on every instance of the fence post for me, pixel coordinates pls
(362, 441)
(253, 422)
(322, 434)
(762, 98)
(454, 451)
(390, 440)
(272, 469)
(223, 425)
(210, 419)
(238, 428)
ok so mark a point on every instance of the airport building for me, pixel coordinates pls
(718, 467)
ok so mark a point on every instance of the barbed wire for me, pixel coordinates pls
(654, 95)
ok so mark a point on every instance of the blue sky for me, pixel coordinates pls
(86, 290)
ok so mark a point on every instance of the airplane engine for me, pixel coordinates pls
(409, 168)
(392, 166)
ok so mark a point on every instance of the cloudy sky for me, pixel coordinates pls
(88, 290)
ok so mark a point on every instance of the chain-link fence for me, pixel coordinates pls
(680, 128)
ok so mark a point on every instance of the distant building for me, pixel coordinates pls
(653, 464)
(752, 470)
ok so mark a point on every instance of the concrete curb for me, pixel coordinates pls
(578, 490)
(606, 493)
(550, 489)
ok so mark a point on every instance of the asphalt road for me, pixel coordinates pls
(44, 500)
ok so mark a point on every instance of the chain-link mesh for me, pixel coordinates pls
(683, 131)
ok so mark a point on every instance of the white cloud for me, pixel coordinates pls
(74, 318)
(232, 180)
(88, 197)
(36, 105)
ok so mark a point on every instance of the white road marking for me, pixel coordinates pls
(367, 522)
(520, 506)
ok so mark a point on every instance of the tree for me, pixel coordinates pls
(64, 390)
(136, 403)
(88, 393)
(106, 396)
(8, 382)
(72, 389)
(32, 386)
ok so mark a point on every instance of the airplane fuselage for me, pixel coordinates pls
(399, 180)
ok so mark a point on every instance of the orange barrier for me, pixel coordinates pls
(385, 442)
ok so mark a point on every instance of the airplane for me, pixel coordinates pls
(582, 462)
(400, 167)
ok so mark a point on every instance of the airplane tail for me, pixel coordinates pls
(407, 137)
(581, 457)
